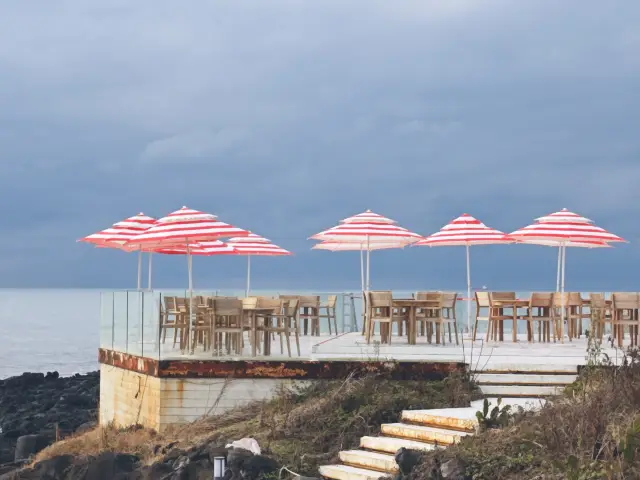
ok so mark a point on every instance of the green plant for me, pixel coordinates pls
(497, 418)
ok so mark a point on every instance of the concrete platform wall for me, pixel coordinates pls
(127, 397)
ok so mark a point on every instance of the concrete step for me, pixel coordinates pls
(393, 444)
(379, 462)
(525, 402)
(345, 472)
(422, 433)
(524, 379)
(463, 419)
(533, 367)
(520, 390)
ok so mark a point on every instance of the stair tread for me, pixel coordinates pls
(367, 453)
(425, 428)
(393, 444)
(327, 470)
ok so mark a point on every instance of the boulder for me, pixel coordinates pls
(28, 445)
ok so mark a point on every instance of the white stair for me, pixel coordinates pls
(426, 429)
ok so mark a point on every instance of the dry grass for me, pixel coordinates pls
(578, 437)
(301, 428)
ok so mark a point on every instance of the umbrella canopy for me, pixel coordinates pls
(119, 233)
(564, 229)
(252, 245)
(185, 228)
(564, 226)
(465, 231)
(368, 227)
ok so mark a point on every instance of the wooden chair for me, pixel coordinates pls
(266, 326)
(600, 314)
(227, 327)
(201, 327)
(380, 310)
(424, 316)
(625, 306)
(574, 314)
(287, 320)
(330, 312)
(310, 306)
(482, 302)
(171, 318)
(448, 317)
(540, 310)
(497, 315)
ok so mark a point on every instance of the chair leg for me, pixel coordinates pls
(455, 329)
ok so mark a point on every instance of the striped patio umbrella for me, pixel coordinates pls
(255, 245)
(366, 229)
(119, 233)
(564, 229)
(465, 231)
(185, 228)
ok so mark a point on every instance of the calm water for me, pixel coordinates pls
(46, 330)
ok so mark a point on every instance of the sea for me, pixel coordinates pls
(47, 330)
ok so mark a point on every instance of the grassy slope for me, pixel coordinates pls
(578, 437)
(301, 429)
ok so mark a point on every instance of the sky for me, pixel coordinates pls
(283, 117)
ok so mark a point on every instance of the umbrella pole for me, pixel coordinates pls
(559, 268)
(248, 275)
(364, 300)
(468, 291)
(139, 269)
(190, 294)
(564, 258)
(368, 264)
(150, 267)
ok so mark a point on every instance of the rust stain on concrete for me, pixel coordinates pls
(290, 369)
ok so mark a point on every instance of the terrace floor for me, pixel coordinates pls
(520, 356)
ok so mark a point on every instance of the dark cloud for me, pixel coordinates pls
(285, 116)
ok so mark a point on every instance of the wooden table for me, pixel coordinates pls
(412, 304)
(514, 305)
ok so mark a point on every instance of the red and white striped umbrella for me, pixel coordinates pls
(119, 233)
(185, 228)
(206, 249)
(564, 229)
(465, 231)
(366, 229)
(253, 245)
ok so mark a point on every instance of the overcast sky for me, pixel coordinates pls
(283, 117)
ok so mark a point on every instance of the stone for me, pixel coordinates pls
(453, 470)
(258, 466)
(28, 445)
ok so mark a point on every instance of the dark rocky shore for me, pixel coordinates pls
(34, 405)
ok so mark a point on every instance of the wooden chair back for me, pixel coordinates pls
(380, 299)
(482, 300)
(309, 301)
(449, 300)
(170, 305)
(332, 300)
(597, 300)
(502, 296)
(274, 304)
(560, 299)
(292, 308)
(227, 307)
(428, 296)
(250, 302)
(574, 299)
(625, 301)
(541, 299)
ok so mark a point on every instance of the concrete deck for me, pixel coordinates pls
(483, 356)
